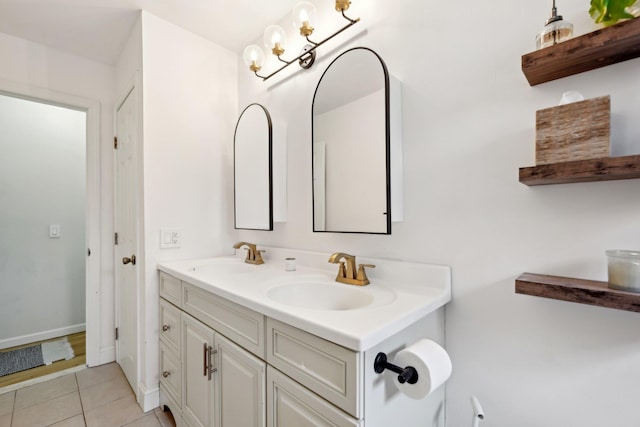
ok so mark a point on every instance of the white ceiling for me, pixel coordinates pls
(97, 29)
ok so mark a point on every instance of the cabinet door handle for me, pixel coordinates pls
(166, 374)
(211, 368)
(165, 328)
(205, 359)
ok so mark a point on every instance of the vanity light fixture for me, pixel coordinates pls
(275, 39)
(303, 14)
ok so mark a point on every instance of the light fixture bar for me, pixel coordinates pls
(311, 50)
(353, 21)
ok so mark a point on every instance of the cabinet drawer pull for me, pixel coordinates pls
(165, 328)
(166, 374)
(205, 359)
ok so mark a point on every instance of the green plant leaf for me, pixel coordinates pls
(608, 12)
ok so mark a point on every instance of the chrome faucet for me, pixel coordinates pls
(254, 256)
(347, 273)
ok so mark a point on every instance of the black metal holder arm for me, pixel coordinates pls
(405, 375)
(308, 54)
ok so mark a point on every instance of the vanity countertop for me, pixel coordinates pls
(399, 294)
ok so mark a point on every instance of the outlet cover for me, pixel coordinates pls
(170, 238)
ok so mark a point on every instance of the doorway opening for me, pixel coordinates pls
(47, 218)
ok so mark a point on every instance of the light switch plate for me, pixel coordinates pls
(170, 238)
(54, 231)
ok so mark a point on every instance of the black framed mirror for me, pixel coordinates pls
(351, 145)
(253, 169)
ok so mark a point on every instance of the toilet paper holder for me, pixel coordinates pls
(405, 375)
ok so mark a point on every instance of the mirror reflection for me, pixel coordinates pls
(252, 157)
(350, 113)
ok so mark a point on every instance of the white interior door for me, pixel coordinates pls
(126, 227)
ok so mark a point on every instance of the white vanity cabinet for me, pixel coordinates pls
(198, 389)
(171, 347)
(242, 381)
(291, 405)
(329, 370)
(207, 380)
(270, 368)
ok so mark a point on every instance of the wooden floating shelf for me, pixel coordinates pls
(604, 169)
(600, 48)
(577, 290)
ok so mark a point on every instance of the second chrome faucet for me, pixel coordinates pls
(347, 273)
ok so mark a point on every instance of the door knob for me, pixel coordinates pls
(127, 260)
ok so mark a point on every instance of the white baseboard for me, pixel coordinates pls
(148, 399)
(41, 336)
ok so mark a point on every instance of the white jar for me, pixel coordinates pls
(624, 270)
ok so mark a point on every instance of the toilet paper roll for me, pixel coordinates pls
(432, 363)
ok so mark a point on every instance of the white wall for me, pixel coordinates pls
(468, 125)
(190, 109)
(40, 71)
(42, 168)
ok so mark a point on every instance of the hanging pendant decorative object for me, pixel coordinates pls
(555, 30)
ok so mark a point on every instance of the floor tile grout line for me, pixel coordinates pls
(64, 419)
(13, 407)
(77, 390)
(48, 400)
(15, 400)
(158, 418)
(84, 417)
(102, 380)
(115, 399)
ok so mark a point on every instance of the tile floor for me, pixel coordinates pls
(99, 397)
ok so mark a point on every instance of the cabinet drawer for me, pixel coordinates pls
(239, 324)
(290, 404)
(170, 326)
(170, 288)
(170, 373)
(329, 370)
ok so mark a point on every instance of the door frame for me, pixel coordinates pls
(93, 319)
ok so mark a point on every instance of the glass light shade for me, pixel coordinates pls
(253, 56)
(554, 33)
(275, 38)
(303, 15)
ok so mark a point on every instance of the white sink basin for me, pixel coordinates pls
(333, 296)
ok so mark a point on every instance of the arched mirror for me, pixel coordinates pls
(253, 183)
(351, 146)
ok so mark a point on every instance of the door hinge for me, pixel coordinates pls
(115, 142)
(116, 239)
(117, 334)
